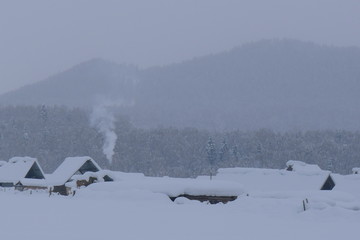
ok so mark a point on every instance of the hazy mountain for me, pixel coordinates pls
(81, 86)
(275, 84)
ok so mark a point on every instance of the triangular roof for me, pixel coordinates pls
(329, 183)
(19, 168)
(70, 167)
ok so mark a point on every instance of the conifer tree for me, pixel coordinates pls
(211, 154)
(223, 153)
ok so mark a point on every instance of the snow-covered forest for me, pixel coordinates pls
(53, 133)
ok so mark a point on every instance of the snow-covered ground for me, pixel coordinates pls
(103, 212)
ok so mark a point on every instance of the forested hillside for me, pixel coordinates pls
(53, 133)
(276, 84)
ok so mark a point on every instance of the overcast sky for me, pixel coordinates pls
(39, 38)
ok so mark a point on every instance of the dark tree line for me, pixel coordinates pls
(53, 133)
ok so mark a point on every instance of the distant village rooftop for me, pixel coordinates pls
(301, 177)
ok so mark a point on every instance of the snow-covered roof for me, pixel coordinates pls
(356, 170)
(347, 183)
(303, 168)
(120, 176)
(257, 179)
(33, 182)
(173, 187)
(18, 168)
(114, 175)
(70, 167)
(99, 175)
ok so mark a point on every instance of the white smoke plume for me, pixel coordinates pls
(103, 119)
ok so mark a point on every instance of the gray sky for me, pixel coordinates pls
(39, 38)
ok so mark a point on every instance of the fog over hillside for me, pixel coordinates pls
(276, 84)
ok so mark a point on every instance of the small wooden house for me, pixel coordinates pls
(31, 184)
(71, 167)
(24, 171)
(311, 169)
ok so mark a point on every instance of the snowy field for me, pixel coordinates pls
(98, 213)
